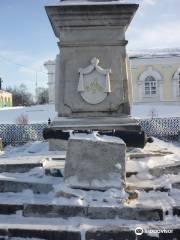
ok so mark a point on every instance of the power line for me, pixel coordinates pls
(21, 65)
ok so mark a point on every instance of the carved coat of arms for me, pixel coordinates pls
(94, 82)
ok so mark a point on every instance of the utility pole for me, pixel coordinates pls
(1, 83)
(36, 90)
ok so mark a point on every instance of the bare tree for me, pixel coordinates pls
(42, 95)
(21, 96)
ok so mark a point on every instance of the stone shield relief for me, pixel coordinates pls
(94, 82)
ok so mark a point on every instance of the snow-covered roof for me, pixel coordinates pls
(5, 92)
(155, 53)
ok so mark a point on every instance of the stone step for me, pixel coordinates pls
(136, 156)
(18, 185)
(176, 185)
(64, 232)
(65, 211)
(18, 167)
(176, 211)
(9, 209)
(147, 185)
(165, 169)
(123, 233)
(46, 232)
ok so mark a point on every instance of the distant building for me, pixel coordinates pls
(156, 76)
(50, 66)
(5, 99)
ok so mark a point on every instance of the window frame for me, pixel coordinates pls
(150, 86)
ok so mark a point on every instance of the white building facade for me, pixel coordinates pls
(156, 78)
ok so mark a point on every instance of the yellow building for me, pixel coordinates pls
(5, 99)
(156, 77)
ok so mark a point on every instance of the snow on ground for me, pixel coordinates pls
(41, 113)
(29, 152)
(35, 114)
(157, 110)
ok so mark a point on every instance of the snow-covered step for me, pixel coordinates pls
(8, 184)
(65, 211)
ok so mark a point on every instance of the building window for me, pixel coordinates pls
(150, 86)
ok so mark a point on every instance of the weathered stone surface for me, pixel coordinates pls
(147, 237)
(176, 185)
(140, 214)
(37, 210)
(18, 167)
(43, 234)
(176, 211)
(165, 169)
(7, 209)
(95, 164)
(8, 185)
(171, 236)
(57, 145)
(109, 233)
(100, 35)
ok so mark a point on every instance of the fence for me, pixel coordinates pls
(167, 128)
(21, 133)
(159, 127)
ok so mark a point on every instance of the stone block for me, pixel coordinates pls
(1, 144)
(44, 234)
(7, 209)
(176, 185)
(176, 211)
(165, 169)
(18, 167)
(8, 185)
(108, 233)
(139, 214)
(57, 145)
(53, 211)
(95, 163)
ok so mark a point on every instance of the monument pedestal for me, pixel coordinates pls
(93, 88)
(94, 162)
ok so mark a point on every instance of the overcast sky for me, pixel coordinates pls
(27, 39)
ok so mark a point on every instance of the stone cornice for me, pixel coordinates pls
(62, 16)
